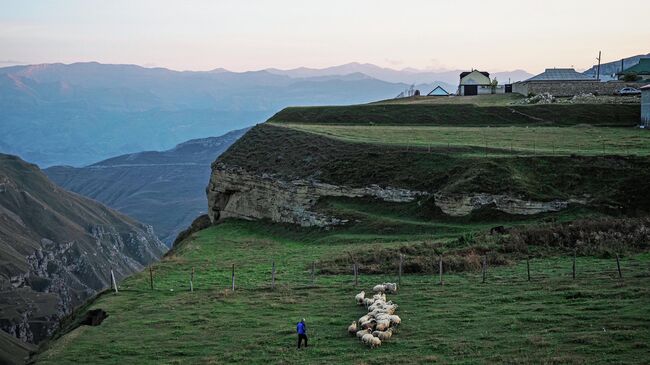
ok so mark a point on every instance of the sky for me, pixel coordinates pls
(240, 35)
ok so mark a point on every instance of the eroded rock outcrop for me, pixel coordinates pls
(234, 192)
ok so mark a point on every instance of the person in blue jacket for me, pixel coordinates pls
(301, 328)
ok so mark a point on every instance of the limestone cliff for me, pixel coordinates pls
(234, 192)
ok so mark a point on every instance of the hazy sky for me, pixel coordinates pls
(239, 35)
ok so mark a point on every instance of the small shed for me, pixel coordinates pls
(645, 106)
(438, 91)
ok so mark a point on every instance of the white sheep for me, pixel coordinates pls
(390, 288)
(368, 302)
(352, 329)
(382, 325)
(379, 288)
(360, 297)
(385, 335)
(367, 338)
(395, 320)
(369, 324)
(375, 342)
(361, 333)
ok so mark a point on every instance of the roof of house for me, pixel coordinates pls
(641, 68)
(475, 78)
(438, 91)
(463, 74)
(560, 74)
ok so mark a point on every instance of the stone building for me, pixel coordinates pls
(557, 82)
(645, 106)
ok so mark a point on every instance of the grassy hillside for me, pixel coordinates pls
(596, 318)
(467, 115)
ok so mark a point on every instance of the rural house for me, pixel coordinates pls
(561, 82)
(641, 69)
(438, 91)
(645, 106)
(474, 83)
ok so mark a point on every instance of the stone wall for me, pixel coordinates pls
(570, 88)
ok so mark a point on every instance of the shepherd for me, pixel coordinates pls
(301, 328)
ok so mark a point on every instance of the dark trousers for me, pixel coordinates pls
(301, 338)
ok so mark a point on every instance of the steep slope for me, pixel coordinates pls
(163, 189)
(286, 180)
(57, 249)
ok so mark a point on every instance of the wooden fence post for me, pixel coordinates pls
(401, 263)
(151, 277)
(528, 267)
(273, 275)
(233, 277)
(114, 281)
(618, 265)
(574, 264)
(192, 280)
(440, 267)
(484, 268)
(313, 272)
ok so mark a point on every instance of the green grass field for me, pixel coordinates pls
(597, 318)
(496, 140)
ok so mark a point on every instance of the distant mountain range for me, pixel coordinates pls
(164, 189)
(77, 114)
(448, 79)
(57, 249)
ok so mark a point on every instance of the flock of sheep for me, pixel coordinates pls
(380, 322)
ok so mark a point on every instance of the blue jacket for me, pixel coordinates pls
(301, 328)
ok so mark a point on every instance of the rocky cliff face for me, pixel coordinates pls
(234, 192)
(57, 250)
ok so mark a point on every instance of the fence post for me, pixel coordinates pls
(401, 263)
(484, 268)
(574, 264)
(440, 267)
(355, 269)
(114, 282)
(233, 277)
(273, 275)
(618, 265)
(313, 272)
(528, 267)
(151, 277)
(192, 280)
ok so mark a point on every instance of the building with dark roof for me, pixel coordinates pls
(438, 91)
(475, 83)
(641, 69)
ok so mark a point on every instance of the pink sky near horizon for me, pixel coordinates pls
(493, 35)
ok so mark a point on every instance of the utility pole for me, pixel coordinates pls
(598, 70)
